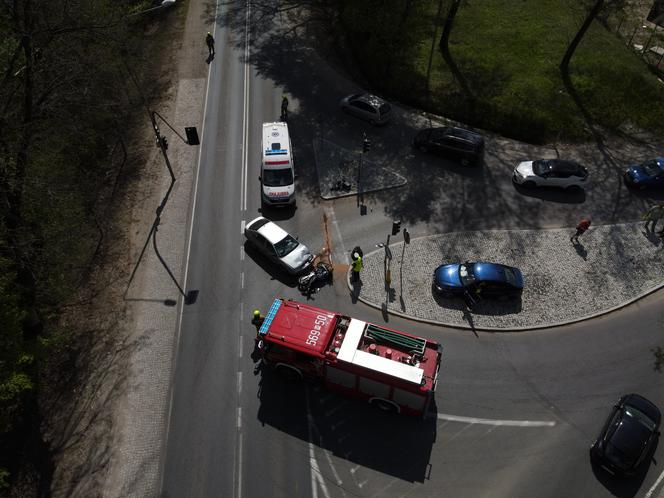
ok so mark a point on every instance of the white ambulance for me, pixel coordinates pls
(277, 171)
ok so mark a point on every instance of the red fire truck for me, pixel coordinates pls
(393, 370)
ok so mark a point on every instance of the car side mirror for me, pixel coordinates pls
(260, 179)
(297, 237)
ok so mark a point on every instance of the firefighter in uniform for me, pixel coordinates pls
(257, 319)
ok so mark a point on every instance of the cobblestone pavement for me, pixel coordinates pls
(614, 265)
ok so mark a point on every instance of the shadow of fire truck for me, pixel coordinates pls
(349, 428)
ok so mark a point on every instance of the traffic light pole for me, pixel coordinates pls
(162, 143)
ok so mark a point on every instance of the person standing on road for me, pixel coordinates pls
(653, 215)
(357, 267)
(581, 228)
(257, 319)
(284, 108)
(209, 40)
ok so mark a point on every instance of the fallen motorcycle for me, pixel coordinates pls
(320, 276)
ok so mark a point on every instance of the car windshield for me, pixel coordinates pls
(541, 167)
(285, 246)
(641, 417)
(466, 274)
(277, 177)
(652, 168)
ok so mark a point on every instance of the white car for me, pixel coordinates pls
(550, 173)
(278, 245)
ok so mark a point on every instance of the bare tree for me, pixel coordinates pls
(592, 14)
(445, 49)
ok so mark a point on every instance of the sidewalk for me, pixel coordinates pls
(616, 265)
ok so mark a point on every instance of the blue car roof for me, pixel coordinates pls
(492, 272)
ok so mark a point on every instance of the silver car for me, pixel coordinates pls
(368, 107)
(278, 245)
(550, 173)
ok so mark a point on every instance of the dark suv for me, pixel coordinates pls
(464, 145)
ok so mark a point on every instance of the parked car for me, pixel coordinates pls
(492, 279)
(465, 145)
(278, 245)
(628, 435)
(550, 173)
(649, 174)
(368, 107)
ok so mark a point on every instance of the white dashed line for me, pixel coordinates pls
(242, 224)
(239, 384)
(242, 251)
(239, 417)
(489, 421)
(242, 280)
(654, 487)
(240, 347)
(241, 311)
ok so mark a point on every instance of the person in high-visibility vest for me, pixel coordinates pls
(357, 267)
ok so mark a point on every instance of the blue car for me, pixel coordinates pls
(646, 175)
(477, 279)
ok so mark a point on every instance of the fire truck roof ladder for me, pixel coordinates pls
(410, 344)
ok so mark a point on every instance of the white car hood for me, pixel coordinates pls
(525, 169)
(297, 257)
(278, 192)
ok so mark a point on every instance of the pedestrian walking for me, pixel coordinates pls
(653, 215)
(209, 40)
(284, 108)
(581, 228)
(357, 267)
(257, 319)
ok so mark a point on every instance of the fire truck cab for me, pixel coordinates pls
(394, 370)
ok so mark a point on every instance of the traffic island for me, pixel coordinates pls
(612, 266)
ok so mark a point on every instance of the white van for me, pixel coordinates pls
(277, 171)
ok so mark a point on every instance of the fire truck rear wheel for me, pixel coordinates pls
(385, 406)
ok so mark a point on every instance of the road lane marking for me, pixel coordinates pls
(489, 421)
(240, 348)
(242, 252)
(186, 259)
(345, 257)
(242, 225)
(241, 311)
(239, 417)
(654, 487)
(239, 465)
(242, 280)
(245, 113)
(239, 384)
(316, 476)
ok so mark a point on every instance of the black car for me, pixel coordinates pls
(628, 435)
(449, 141)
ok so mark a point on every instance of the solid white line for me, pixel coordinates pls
(245, 114)
(488, 421)
(654, 486)
(186, 259)
(242, 225)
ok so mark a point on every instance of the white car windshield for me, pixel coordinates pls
(285, 246)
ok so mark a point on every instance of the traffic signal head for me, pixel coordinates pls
(396, 227)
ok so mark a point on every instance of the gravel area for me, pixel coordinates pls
(614, 265)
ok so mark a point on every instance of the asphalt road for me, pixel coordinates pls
(527, 405)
